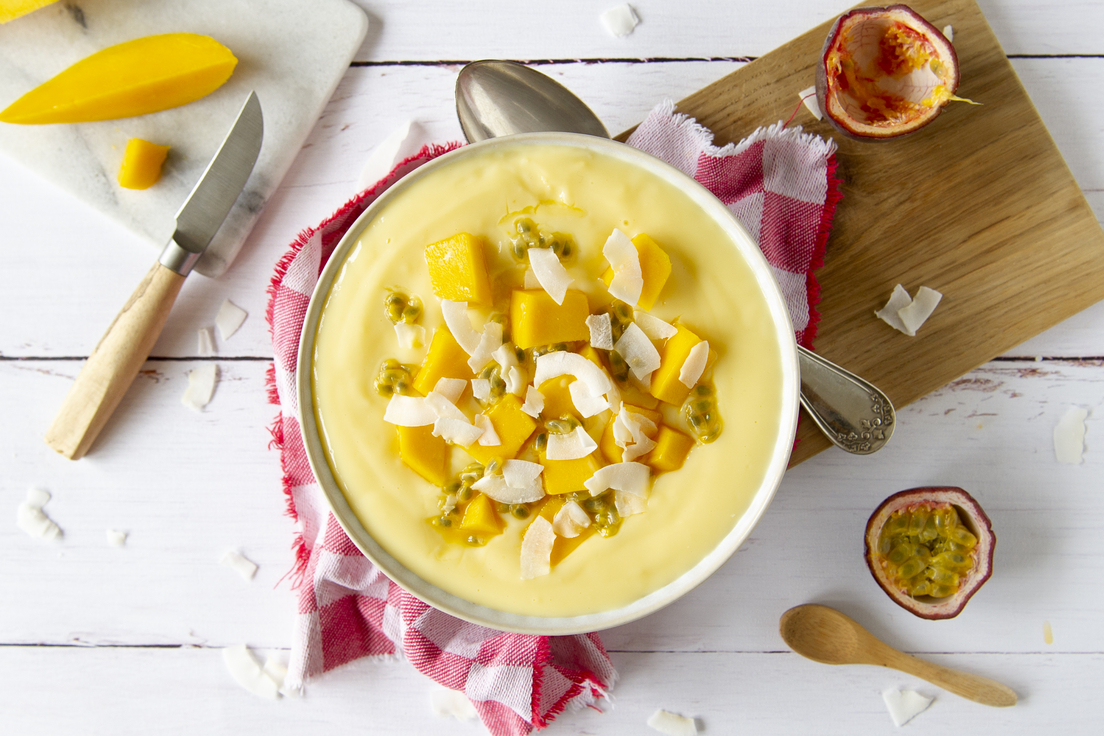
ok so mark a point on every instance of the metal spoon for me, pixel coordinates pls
(825, 635)
(497, 98)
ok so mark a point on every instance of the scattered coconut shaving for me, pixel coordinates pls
(409, 411)
(628, 280)
(563, 363)
(897, 300)
(410, 336)
(620, 21)
(629, 477)
(248, 672)
(229, 318)
(694, 365)
(457, 431)
(534, 402)
(628, 504)
(550, 273)
(206, 342)
(481, 388)
(447, 703)
(496, 488)
(456, 319)
(443, 407)
(631, 433)
(515, 380)
(638, 351)
(33, 520)
(451, 388)
(654, 327)
(948, 31)
(521, 473)
(536, 549)
(906, 314)
(570, 520)
(1069, 437)
(116, 538)
(904, 705)
(201, 386)
(601, 331)
(585, 402)
(489, 342)
(573, 446)
(489, 438)
(672, 724)
(511, 370)
(399, 145)
(237, 562)
(809, 98)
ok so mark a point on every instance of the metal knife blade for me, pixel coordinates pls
(214, 194)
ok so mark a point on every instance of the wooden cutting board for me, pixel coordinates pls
(979, 205)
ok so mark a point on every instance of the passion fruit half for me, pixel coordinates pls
(930, 549)
(885, 72)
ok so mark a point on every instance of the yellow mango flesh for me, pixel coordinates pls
(567, 476)
(557, 397)
(12, 9)
(537, 320)
(145, 75)
(480, 518)
(423, 453)
(141, 167)
(655, 268)
(445, 359)
(511, 424)
(671, 450)
(666, 385)
(457, 269)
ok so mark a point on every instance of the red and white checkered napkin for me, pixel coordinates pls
(779, 182)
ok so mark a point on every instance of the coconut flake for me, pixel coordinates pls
(521, 473)
(563, 363)
(916, 313)
(515, 380)
(530, 280)
(620, 21)
(33, 520)
(629, 477)
(399, 145)
(628, 504)
(534, 402)
(442, 407)
(654, 327)
(247, 671)
(447, 703)
(1069, 437)
(489, 438)
(672, 724)
(456, 319)
(239, 564)
(409, 411)
(489, 342)
(948, 31)
(201, 386)
(229, 318)
(630, 433)
(904, 705)
(206, 342)
(694, 365)
(511, 371)
(481, 388)
(897, 300)
(628, 281)
(457, 431)
(116, 538)
(451, 388)
(573, 446)
(585, 402)
(809, 97)
(638, 351)
(570, 520)
(601, 331)
(410, 336)
(496, 488)
(550, 273)
(536, 549)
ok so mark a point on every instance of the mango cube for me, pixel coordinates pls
(480, 518)
(655, 267)
(557, 397)
(666, 385)
(537, 320)
(445, 359)
(567, 476)
(671, 450)
(423, 453)
(457, 269)
(141, 167)
(511, 424)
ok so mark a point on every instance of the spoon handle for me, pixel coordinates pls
(972, 687)
(854, 414)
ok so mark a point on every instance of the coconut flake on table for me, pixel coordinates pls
(1069, 437)
(410, 336)
(809, 98)
(446, 703)
(399, 145)
(248, 672)
(694, 365)
(489, 438)
(638, 351)
(534, 402)
(116, 538)
(481, 388)
(201, 386)
(628, 504)
(601, 331)
(550, 273)
(563, 363)
(456, 319)
(229, 318)
(205, 342)
(497, 489)
(536, 549)
(672, 724)
(33, 520)
(570, 520)
(489, 342)
(654, 327)
(585, 402)
(451, 388)
(948, 31)
(239, 563)
(624, 259)
(457, 431)
(897, 300)
(916, 313)
(629, 477)
(572, 446)
(904, 705)
(409, 411)
(620, 21)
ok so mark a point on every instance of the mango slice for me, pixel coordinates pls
(12, 9)
(666, 385)
(145, 75)
(513, 427)
(141, 167)
(671, 450)
(445, 359)
(480, 518)
(655, 267)
(423, 453)
(457, 269)
(567, 476)
(535, 319)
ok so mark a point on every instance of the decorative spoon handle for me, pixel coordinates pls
(855, 414)
(972, 687)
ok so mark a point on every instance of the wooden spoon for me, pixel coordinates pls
(825, 635)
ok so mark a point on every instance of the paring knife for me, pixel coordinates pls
(115, 362)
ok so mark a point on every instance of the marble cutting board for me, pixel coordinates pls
(291, 52)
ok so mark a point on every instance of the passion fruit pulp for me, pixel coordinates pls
(885, 72)
(930, 549)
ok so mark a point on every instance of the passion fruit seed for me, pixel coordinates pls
(493, 374)
(402, 307)
(700, 411)
(529, 235)
(394, 378)
(564, 425)
(619, 369)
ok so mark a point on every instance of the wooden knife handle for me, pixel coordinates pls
(112, 366)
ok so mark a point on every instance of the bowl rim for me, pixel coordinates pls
(689, 579)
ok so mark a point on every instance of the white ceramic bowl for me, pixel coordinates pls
(742, 527)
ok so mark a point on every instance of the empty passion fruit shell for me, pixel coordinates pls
(885, 72)
(930, 549)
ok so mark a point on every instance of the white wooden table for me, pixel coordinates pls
(98, 639)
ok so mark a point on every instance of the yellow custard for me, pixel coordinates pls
(585, 194)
